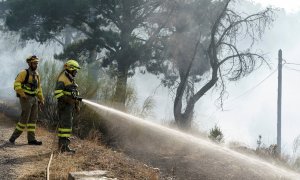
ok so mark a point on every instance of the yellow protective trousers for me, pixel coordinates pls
(28, 118)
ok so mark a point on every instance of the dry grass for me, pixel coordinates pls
(92, 155)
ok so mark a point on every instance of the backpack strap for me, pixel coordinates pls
(26, 77)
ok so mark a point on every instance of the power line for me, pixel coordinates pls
(285, 62)
(289, 68)
(246, 92)
(254, 87)
(293, 64)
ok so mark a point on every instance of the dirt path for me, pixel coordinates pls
(20, 160)
(6, 168)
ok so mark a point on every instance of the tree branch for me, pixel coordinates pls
(248, 19)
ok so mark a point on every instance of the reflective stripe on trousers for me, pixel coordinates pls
(65, 112)
(28, 118)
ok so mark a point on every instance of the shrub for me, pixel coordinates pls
(216, 134)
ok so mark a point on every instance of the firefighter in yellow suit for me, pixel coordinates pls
(66, 92)
(28, 88)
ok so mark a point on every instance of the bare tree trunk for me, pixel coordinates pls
(121, 86)
(93, 72)
(124, 60)
(184, 119)
(181, 119)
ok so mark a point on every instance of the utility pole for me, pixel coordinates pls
(279, 102)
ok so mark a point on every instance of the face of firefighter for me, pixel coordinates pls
(73, 73)
(33, 65)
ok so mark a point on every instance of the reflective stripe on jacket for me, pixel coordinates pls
(65, 85)
(23, 88)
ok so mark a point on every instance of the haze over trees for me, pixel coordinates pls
(109, 32)
(193, 44)
(206, 42)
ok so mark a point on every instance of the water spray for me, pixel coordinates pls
(218, 159)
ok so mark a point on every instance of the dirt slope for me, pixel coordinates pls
(182, 155)
(179, 156)
(22, 161)
(16, 160)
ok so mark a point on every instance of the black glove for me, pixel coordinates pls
(68, 100)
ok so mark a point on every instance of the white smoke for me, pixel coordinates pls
(13, 54)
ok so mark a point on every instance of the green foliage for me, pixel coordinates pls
(107, 27)
(42, 20)
(216, 134)
(182, 39)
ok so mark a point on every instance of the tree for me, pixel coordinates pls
(3, 10)
(114, 32)
(216, 134)
(215, 51)
(186, 48)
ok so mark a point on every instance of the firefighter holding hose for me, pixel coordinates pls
(67, 94)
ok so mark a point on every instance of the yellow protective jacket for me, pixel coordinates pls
(32, 87)
(65, 86)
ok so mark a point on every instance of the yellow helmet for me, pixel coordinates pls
(72, 65)
(32, 58)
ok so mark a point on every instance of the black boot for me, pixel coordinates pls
(16, 134)
(67, 149)
(35, 142)
(63, 144)
(12, 140)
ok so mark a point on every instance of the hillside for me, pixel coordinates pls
(142, 148)
(22, 161)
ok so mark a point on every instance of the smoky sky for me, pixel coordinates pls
(251, 107)
(13, 54)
